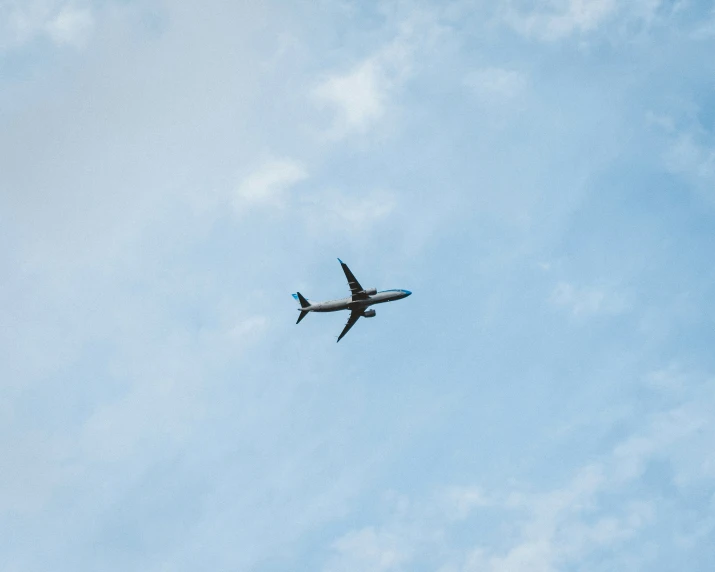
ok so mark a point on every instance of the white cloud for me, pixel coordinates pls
(585, 301)
(246, 329)
(554, 20)
(367, 550)
(688, 146)
(668, 379)
(285, 464)
(331, 210)
(65, 23)
(268, 185)
(600, 508)
(71, 26)
(353, 213)
(494, 84)
(706, 29)
(549, 529)
(672, 433)
(461, 501)
(364, 95)
(557, 19)
(359, 97)
(686, 156)
(565, 525)
(661, 121)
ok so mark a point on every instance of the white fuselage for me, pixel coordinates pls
(350, 304)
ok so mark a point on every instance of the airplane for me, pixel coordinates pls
(358, 303)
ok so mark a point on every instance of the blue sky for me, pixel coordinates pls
(540, 174)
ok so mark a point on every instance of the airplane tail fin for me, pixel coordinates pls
(303, 305)
(303, 302)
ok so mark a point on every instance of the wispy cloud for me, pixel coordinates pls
(159, 406)
(691, 158)
(365, 94)
(603, 506)
(705, 30)
(367, 550)
(347, 212)
(270, 188)
(584, 301)
(688, 146)
(269, 184)
(460, 502)
(554, 19)
(670, 378)
(494, 85)
(358, 97)
(566, 525)
(65, 23)
(72, 26)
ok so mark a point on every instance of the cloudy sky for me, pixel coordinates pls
(540, 173)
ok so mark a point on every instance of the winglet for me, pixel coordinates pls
(341, 262)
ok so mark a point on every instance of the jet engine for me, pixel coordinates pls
(369, 314)
(370, 291)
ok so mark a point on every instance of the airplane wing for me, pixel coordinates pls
(355, 288)
(354, 316)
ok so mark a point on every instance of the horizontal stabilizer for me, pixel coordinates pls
(302, 315)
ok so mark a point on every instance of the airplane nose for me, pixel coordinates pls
(407, 293)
